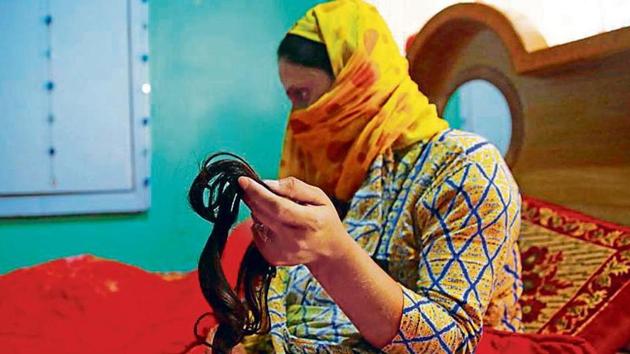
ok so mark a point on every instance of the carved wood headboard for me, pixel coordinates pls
(570, 104)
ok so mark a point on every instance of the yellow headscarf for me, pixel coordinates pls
(373, 105)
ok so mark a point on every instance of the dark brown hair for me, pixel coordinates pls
(215, 195)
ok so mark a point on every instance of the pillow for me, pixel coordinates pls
(576, 272)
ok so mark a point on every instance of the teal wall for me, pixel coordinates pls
(452, 111)
(214, 87)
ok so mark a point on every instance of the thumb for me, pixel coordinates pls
(298, 191)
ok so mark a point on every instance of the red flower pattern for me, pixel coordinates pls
(540, 267)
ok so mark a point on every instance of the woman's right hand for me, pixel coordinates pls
(297, 222)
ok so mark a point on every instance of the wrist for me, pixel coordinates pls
(338, 249)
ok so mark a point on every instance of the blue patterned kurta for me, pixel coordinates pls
(447, 212)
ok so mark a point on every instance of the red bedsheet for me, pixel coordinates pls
(86, 304)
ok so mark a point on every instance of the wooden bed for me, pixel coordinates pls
(570, 104)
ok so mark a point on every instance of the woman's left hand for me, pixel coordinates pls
(299, 222)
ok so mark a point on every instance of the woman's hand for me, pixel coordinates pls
(299, 222)
(301, 226)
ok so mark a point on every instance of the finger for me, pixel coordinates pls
(268, 207)
(298, 191)
(252, 199)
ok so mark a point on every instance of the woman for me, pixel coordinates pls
(427, 251)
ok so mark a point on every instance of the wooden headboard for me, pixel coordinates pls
(570, 104)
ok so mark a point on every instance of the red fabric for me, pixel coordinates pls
(86, 304)
(89, 305)
(498, 342)
(610, 329)
(574, 215)
(605, 323)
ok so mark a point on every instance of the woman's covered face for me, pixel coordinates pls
(302, 84)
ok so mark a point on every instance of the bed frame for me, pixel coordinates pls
(570, 104)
